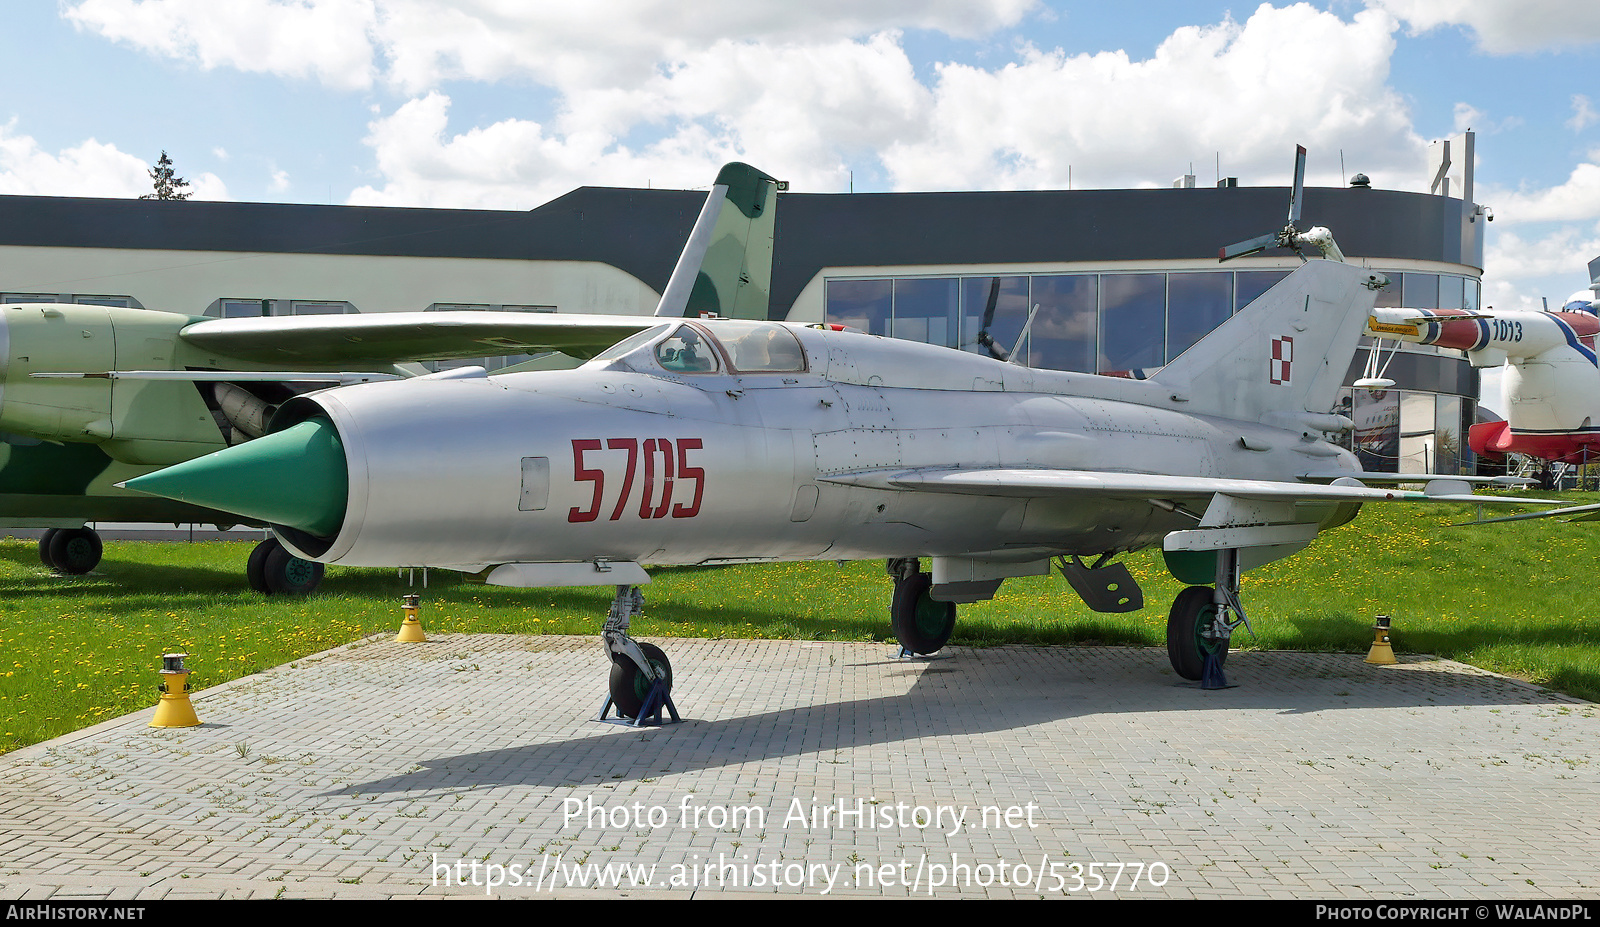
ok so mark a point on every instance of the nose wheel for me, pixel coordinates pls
(1202, 622)
(640, 687)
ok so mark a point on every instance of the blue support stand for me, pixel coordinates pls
(1211, 676)
(649, 712)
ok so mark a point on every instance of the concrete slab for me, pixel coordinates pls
(471, 765)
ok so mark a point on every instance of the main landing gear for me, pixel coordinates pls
(641, 675)
(272, 570)
(922, 625)
(71, 551)
(1201, 623)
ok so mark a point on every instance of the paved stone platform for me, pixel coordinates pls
(811, 769)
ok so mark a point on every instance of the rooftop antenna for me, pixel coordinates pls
(1342, 178)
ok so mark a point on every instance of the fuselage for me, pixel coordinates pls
(627, 458)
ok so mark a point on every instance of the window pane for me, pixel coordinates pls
(1133, 321)
(1416, 432)
(862, 304)
(1252, 283)
(1197, 304)
(1063, 332)
(686, 352)
(1010, 312)
(1447, 443)
(1421, 291)
(243, 308)
(925, 310)
(306, 307)
(1377, 433)
(1451, 293)
(1390, 295)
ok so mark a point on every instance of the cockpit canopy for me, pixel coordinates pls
(715, 346)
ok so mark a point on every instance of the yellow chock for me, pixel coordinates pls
(411, 628)
(1381, 653)
(174, 709)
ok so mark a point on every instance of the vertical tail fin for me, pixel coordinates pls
(726, 267)
(1285, 354)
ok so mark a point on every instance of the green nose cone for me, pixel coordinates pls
(295, 477)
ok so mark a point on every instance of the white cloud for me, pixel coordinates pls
(416, 45)
(812, 111)
(90, 168)
(1562, 250)
(1247, 91)
(515, 163)
(1583, 114)
(1576, 199)
(1468, 116)
(325, 40)
(1505, 27)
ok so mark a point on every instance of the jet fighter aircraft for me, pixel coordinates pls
(716, 441)
(91, 396)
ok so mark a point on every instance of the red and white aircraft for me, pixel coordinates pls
(1550, 378)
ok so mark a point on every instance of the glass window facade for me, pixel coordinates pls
(1409, 431)
(1090, 323)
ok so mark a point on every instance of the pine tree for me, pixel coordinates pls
(169, 186)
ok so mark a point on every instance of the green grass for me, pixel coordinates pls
(1513, 598)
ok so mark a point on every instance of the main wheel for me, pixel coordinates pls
(74, 551)
(44, 546)
(922, 625)
(255, 569)
(1188, 643)
(285, 574)
(629, 686)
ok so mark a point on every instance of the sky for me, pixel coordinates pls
(506, 104)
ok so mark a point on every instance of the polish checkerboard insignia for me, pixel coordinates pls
(1282, 356)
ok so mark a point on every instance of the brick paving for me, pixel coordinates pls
(810, 769)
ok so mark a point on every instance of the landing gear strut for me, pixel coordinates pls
(1202, 622)
(641, 676)
(922, 625)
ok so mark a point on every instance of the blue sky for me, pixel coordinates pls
(484, 103)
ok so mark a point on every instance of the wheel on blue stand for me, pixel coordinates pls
(1188, 644)
(630, 687)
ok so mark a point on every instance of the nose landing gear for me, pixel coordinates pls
(640, 686)
(1202, 622)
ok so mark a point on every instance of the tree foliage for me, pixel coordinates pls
(168, 185)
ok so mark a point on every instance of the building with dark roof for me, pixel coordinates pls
(1116, 281)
